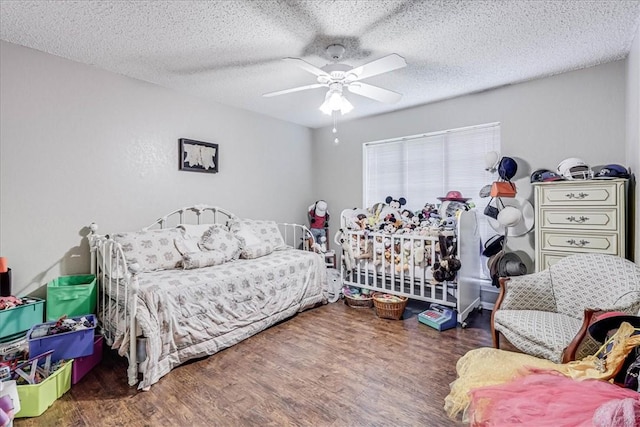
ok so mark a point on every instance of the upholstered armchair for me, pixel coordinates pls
(546, 313)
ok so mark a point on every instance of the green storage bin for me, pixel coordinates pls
(37, 398)
(20, 319)
(71, 296)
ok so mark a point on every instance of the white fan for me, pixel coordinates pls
(338, 76)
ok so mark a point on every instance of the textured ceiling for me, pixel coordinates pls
(230, 51)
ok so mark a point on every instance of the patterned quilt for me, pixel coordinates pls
(187, 314)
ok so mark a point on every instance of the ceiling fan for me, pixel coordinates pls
(338, 76)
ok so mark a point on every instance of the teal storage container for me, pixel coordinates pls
(20, 319)
(71, 296)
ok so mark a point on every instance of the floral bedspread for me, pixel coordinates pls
(186, 314)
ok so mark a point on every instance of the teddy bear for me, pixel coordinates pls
(418, 252)
(348, 257)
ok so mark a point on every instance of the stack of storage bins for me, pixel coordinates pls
(76, 351)
(75, 296)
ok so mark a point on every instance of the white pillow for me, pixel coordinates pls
(202, 259)
(247, 236)
(151, 249)
(267, 231)
(218, 238)
(187, 246)
(193, 230)
(256, 251)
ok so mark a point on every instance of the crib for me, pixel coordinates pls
(405, 268)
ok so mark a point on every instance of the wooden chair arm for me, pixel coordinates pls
(569, 353)
(503, 286)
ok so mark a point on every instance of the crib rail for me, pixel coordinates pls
(399, 264)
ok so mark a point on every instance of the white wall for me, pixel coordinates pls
(78, 144)
(633, 127)
(576, 114)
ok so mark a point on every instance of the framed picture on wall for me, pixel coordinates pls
(198, 156)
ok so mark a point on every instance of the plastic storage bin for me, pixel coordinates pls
(82, 365)
(68, 345)
(36, 398)
(20, 319)
(71, 296)
(9, 388)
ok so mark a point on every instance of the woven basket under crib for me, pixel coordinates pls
(388, 307)
(358, 302)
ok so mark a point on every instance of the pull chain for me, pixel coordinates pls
(335, 126)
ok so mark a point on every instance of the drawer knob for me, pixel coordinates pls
(579, 196)
(580, 219)
(579, 243)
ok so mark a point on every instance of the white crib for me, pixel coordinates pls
(404, 272)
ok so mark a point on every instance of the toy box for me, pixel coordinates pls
(36, 398)
(71, 296)
(20, 319)
(82, 365)
(67, 345)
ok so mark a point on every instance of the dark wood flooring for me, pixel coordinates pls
(330, 366)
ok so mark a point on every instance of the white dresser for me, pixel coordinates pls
(578, 217)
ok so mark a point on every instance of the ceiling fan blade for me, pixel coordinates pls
(379, 66)
(295, 89)
(374, 92)
(307, 66)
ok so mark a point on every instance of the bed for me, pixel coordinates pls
(199, 280)
(401, 259)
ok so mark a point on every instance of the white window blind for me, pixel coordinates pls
(422, 168)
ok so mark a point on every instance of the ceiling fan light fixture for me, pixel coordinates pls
(335, 101)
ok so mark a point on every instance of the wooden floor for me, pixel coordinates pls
(329, 366)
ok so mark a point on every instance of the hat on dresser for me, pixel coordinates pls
(545, 175)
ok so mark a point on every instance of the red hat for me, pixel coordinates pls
(454, 196)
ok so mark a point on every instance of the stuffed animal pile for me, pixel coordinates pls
(390, 218)
(386, 221)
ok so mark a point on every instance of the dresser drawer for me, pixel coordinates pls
(605, 219)
(606, 243)
(547, 259)
(579, 195)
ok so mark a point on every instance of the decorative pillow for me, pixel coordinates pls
(187, 246)
(202, 259)
(151, 249)
(218, 238)
(256, 250)
(267, 231)
(191, 231)
(244, 233)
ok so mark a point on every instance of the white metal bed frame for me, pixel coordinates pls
(378, 274)
(107, 255)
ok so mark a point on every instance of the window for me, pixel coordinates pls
(422, 168)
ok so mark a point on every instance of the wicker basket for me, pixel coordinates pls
(358, 302)
(389, 309)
